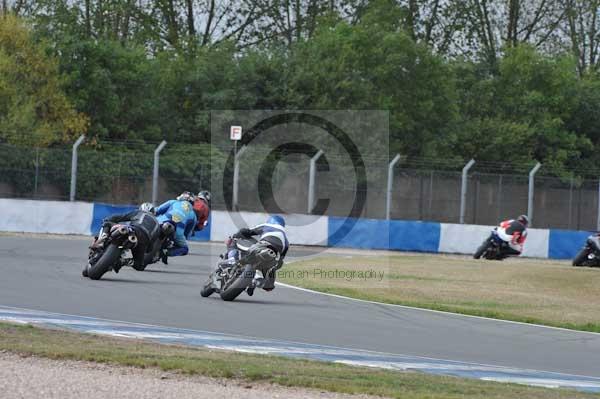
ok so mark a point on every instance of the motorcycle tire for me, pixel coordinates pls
(239, 285)
(207, 291)
(482, 249)
(110, 256)
(580, 258)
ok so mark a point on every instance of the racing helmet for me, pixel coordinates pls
(147, 207)
(524, 219)
(186, 196)
(276, 219)
(204, 195)
(167, 228)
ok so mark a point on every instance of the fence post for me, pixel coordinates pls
(463, 189)
(155, 171)
(530, 194)
(74, 167)
(598, 218)
(311, 180)
(37, 171)
(570, 203)
(236, 177)
(390, 182)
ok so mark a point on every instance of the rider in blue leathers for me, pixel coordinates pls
(180, 213)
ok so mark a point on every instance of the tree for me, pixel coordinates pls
(522, 112)
(34, 109)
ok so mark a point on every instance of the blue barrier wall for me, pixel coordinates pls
(415, 236)
(341, 232)
(102, 211)
(564, 244)
(358, 233)
(383, 234)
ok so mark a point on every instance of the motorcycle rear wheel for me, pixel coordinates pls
(239, 285)
(107, 260)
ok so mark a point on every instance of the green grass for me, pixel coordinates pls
(58, 344)
(529, 291)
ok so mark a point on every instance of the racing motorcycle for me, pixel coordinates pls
(234, 276)
(492, 248)
(114, 252)
(589, 255)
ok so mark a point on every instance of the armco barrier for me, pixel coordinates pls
(59, 217)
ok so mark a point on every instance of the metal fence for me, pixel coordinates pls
(120, 173)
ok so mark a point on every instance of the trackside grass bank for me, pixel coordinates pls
(57, 344)
(525, 290)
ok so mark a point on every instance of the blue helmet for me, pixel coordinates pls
(276, 219)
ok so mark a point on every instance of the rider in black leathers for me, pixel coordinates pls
(146, 227)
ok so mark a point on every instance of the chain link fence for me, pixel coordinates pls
(121, 173)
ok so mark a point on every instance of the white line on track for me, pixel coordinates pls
(434, 311)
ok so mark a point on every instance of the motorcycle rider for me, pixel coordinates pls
(145, 226)
(273, 233)
(514, 233)
(202, 209)
(181, 214)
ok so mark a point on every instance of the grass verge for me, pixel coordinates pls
(58, 344)
(524, 290)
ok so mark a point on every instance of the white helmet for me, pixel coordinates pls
(147, 207)
(186, 196)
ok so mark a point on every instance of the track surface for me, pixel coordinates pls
(45, 274)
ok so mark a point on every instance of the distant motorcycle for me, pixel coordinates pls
(493, 248)
(589, 255)
(232, 277)
(114, 253)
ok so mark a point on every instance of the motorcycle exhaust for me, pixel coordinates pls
(132, 240)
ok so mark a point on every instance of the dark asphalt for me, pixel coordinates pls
(45, 274)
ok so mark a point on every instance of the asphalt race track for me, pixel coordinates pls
(45, 274)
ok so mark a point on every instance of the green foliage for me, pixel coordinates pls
(66, 77)
(34, 109)
(522, 112)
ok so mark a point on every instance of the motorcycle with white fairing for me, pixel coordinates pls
(255, 261)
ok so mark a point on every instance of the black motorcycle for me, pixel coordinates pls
(493, 248)
(589, 255)
(234, 276)
(113, 253)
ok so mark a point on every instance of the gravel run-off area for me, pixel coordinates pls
(32, 377)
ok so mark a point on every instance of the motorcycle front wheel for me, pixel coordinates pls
(581, 257)
(482, 248)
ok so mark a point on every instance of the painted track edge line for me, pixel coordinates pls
(435, 311)
(288, 341)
